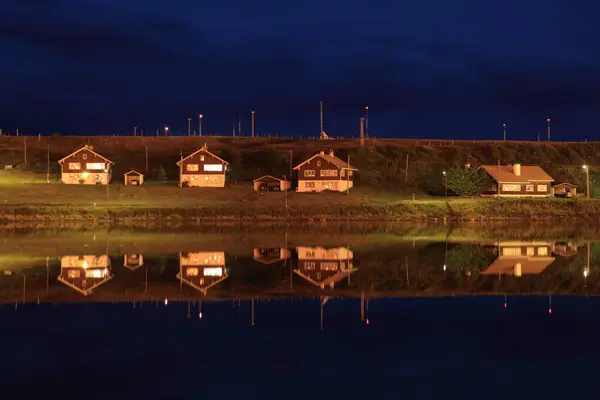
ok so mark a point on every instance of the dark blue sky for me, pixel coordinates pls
(426, 68)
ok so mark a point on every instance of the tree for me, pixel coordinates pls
(161, 174)
(468, 181)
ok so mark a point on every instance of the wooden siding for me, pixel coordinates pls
(317, 271)
(202, 158)
(319, 164)
(83, 157)
(537, 251)
(522, 189)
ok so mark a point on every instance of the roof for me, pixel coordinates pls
(529, 173)
(270, 177)
(564, 184)
(202, 289)
(86, 147)
(341, 164)
(202, 150)
(529, 266)
(338, 276)
(87, 290)
(133, 172)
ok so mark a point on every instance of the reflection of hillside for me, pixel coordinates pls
(84, 273)
(202, 270)
(324, 267)
(270, 255)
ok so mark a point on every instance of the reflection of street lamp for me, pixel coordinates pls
(587, 179)
(445, 184)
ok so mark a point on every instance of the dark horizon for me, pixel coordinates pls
(425, 69)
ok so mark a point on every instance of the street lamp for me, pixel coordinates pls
(548, 122)
(166, 131)
(587, 179)
(504, 130)
(200, 124)
(107, 182)
(367, 121)
(252, 112)
(445, 184)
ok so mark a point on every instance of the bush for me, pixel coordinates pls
(468, 181)
(161, 174)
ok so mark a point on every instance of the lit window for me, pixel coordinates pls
(529, 188)
(213, 167)
(309, 173)
(74, 273)
(213, 271)
(351, 173)
(329, 266)
(85, 156)
(74, 165)
(97, 165)
(542, 188)
(191, 167)
(329, 172)
(511, 251)
(309, 266)
(309, 184)
(310, 253)
(202, 157)
(530, 251)
(511, 188)
(343, 173)
(96, 273)
(542, 251)
(191, 271)
(318, 163)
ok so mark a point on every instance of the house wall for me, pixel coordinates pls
(93, 178)
(202, 180)
(525, 251)
(315, 171)
(322, 186)
(522, 189)
(201, 177)
(320, 270)
(72, 174)
(82, 278)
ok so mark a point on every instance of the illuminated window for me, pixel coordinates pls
(529, 188)
(351, 173)
(213, 167)
(318, 163)
(511, 251)
(511, 188)
(343, 173)
(74, 165)
(330, 185)
(85, 156)
(96, 165)
(309, 184)
(310, 253)
(191, 271)
(309, 173)
(74, 273)
(329, 266)
(96, 273)
(329, 172)
(213, 271)
(309, 266)
(202, 157)
(531, 251)
(213, 179)
(542, 251)
(191, 167)
(318, 275)
(542, 188)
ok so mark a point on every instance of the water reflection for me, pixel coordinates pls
(133, 261)
(518, 258)
(324, 267)
(202, 270)
(84, 273)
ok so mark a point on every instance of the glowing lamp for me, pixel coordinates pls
(201, 116)
(85, 265)
(85, 175)
(166, 302)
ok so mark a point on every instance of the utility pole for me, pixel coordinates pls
(367, 121)
(48, 167)
(406, 169)
(200, 124)
(504, 130)
(321, 113)
(291, 170)
(362, 132)
(166, 131)
(348, 177)
(233, 134)
(135, 131)
(548, 122)
(252, 112)
(189, 127)
(24, 149)
(239, 132)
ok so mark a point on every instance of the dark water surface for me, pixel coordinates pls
(297, 312)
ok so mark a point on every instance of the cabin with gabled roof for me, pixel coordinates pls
(324, 172)
(86, 167)
(518, 181)
(202, 270)
(324, 267)
(133, 178)
(84, 273)
(203, 169)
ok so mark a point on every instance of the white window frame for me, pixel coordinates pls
(310, 173)
(94, 166)
(213, 167)
(213, 271)
(542, 251)
(511, 187)
(512, 251)
(329, 173)
(74, 166)
(192, 168)
(542, 188)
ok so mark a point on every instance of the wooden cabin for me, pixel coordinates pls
(324, 267)
(271, 255)
(85, 273)
(518, 258)
(324, 172)
(564, 189)
(270, 183)
(202, 168)
(85, 166)
(133, 178)
(133, 261)
(202, 270)
(518, 181)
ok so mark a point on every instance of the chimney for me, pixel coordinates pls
(331, 153)
(322, 153)
(517, 169)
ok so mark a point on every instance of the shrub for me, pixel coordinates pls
(468, 181)
(161, 174)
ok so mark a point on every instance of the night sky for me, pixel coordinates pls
(426, 68)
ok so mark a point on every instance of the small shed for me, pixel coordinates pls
(564, 189)
(269, 183)
(134, 178)
(133, 261)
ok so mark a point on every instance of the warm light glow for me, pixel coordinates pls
(213, 271)
(105, 170)
(585, 273)
(166, 302)
(366, 107)
(213, 167)
(367, 321)
(85, 175)
(584, 166)
(549, 311)
(505, 305)
(444, 267)
(201, 116)
(166, 128)
(548, 120)
(85, 265)
(200, 315)
(444, 173)
(504, 125)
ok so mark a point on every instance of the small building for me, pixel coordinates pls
(518, 258)
(324, 267)
(564, 189)
(85, 166)
(85, 273)
(133, 261)
(133, 178)
(324, 172)
(565, 249)
(202, 270)
(518, 181)
(202, 168)
(270, 183)
(271, 255)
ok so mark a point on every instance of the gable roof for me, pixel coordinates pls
(133, 171)
(529, 266)
(202, 289)
(564, 184)
(86, 147)
(89, 289)
(341, 164)
(202, 150)
(505, 173)
(264, 177)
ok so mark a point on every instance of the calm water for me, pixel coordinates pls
(299, 311)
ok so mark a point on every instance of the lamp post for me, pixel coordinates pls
(367, 121)
(107, 182)
(252, 113)
(200, 124)
(587, 180)
(166, 131)
(189, 127)
(504, 130)
(285, 190)
(548, 122)
(445, 184)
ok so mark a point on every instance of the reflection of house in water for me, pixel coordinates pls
(133, 261)
(85, 273)
(324, 267)
(202, 270)
(271, 255)
(564, 249)
(521, 258)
